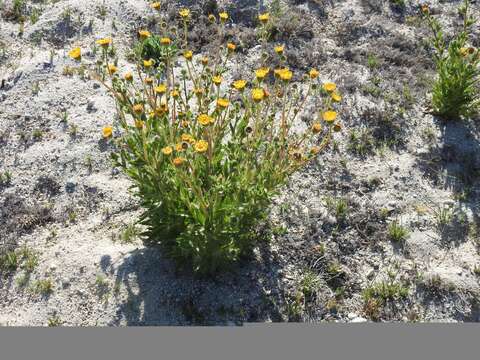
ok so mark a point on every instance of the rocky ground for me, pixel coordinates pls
(384, 227)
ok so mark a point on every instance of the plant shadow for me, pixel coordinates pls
(158, 294)
(454, 164)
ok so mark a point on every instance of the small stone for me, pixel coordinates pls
(359, 320)
(70, 187)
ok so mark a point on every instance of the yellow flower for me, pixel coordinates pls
(204, 61)
(258, 94)
(144, 34)
(201, 146)
(139, 124)
(313, 73)
(75, 53)
(179, 147)
(222, 103)
(128, 76)
(174, 94)
(261, 73)
(188, 138)
(329, 87)
(279, 49)
(184, 13)
(217, 80)
(284, 74)
(165, 41)
(264, 17)
(188, 55)
(167, 150)
(231, 47)
(425, 9)
(105, 42)
(336, 97)
(138, 109)
(212, 18)
(161, 89)
(329, 116)
(178, 161)
(316, 128)
(107, 132)
(148, 63)
(148, 81)
(112, 69)
(223, 16)
(205, 120)
(239, 85)
(156, 5)
(337, 127)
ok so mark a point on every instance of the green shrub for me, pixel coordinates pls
(456, 90)
(207, 157)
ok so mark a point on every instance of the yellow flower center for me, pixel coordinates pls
(217, 80)
(144, 34)
(107, 131)
(165, 41)
(279, 49)
(188, 55)
(223, 16)
(313, 73)
(261, 73)
(184, 13)
(316, 128)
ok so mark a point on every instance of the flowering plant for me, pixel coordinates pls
(206, 155)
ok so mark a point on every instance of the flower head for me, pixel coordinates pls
(156, 5)
(112, 69)
(315, 150)
(336, 97)
(313, 73)
(329, 87)
(144, 34)
(316, 128)
(239, 85)
(178, 161)
(188, 138)
(205, 120)
(284, 74)
(184, 13)
(425, 9)
(148, 81)
(188, 55)
(217, 80)
(107, 132)
(138, 109)
(201, 146)
(258, 94)
(161, 89)
(264, 17)
(148, 63)
(167, 150)
(222, 103)
(329, 116)
(279, 49)
(337, 127)
(212, 18)
(223, 16)
(128, 76)
(174, 93)
(231, 46)
(105, 42)
(75, 53)
(139, 124)
(165, 41)
(262, 73)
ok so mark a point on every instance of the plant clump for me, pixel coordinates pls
(206, 154)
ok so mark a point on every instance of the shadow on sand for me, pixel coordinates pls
(157, 294)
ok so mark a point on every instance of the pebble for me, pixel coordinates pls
(359, 320)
